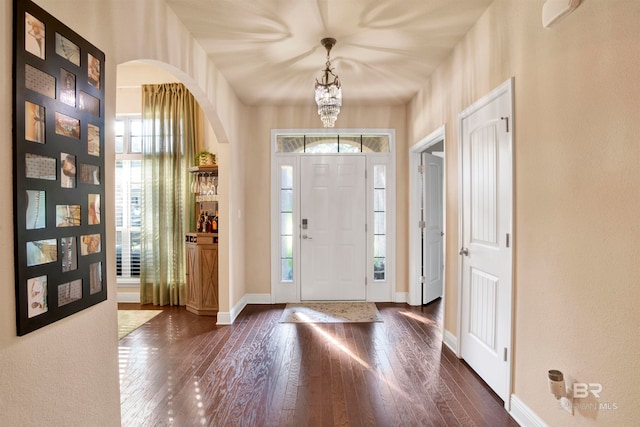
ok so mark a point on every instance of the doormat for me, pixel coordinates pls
(130, 320)
(331, 312)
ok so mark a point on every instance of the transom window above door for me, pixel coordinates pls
(335, 143)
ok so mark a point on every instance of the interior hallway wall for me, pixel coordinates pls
(577, 192)
(258, 177)
(67, 373)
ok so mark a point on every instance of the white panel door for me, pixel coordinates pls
(486, 253)
(333, 244)
(433, 262)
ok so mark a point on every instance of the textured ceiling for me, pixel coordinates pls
(270, 52)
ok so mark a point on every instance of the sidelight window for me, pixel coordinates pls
(286, 223)
(379, 222)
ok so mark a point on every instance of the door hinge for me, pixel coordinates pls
(422, 224)
(506, 119)
(365, 228)
(423, 279)
(365, 281)
(508, 242)
(505, 354)
(420, 169)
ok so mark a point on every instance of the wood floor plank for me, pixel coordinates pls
(180, 369)
(418, 359)
(371, 401)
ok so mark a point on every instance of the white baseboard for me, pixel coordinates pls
(223, 318)
(258, 298)
(131, 297)
(523, 414)
(228, 317)
(402, 297)
(450, 341)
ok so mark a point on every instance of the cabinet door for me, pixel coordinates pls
(192, 275)
(208, 258)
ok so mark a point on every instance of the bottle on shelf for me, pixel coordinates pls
(214, 223)
(200, 224)
(207, 223)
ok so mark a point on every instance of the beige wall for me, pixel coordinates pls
(258, 176)
(129, 80)
(577, 191)
(67, 373)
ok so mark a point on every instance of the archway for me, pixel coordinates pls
(130, 77)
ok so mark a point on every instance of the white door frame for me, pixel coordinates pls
(415, 245)
(506, 87)
(377, 290)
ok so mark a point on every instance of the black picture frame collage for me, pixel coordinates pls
(58, 165)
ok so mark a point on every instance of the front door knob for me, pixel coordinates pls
(464, 251)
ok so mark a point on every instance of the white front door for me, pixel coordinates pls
(433, 259)
(486, 255)
(332, 229)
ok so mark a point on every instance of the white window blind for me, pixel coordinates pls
(128, 143)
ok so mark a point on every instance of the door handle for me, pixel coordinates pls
(464, 251)
(304, 236)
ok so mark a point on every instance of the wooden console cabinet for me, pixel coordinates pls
(202, 273)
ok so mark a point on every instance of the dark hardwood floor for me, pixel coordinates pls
(180, 369)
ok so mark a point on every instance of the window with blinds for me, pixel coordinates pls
(128, 145)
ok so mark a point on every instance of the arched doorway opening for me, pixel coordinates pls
(127, 147)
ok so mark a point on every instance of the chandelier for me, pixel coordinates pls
(328, 93)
